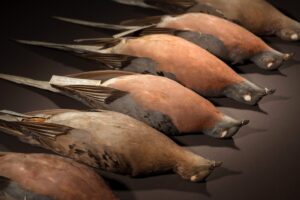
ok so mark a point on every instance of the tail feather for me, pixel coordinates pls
(88, 40)
(5, 120)
(139, 3)
(132, 31)
(15, 114)
(96, 24)
(44, 85)
(30, 125)
(44, 44)
(125, 30)
(7, 116)
(65, 47)
(95, 51)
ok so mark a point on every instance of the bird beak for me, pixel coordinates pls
(244, 122)
(269, 91)
(287, 56)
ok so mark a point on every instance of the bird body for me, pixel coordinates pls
(223, 38)
(49, 177)
(258, 16)
(172, 57)
(171, 109)
(106, 140)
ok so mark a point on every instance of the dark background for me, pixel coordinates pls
(261, 162)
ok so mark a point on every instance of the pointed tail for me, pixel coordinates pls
(30, 129)
(132, 31)
(6, 120)
(139, 3)
(64, 47)
(44, 85)
(96, 24)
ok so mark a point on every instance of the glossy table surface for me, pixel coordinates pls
(261, 162)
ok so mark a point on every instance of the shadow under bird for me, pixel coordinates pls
(172, 57)
(220, 37)
(159, 102)
(258, 16)
(48, 177)
(106, 140)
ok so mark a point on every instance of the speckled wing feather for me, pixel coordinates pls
(114, 61)
(38, 129)
(95, 94)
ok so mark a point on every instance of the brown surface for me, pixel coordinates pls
(260, 163)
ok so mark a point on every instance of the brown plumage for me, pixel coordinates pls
(107, 140)
(173, 57)
(194, 67)
(240, 43)
(49, 177)
(164, 96)
(157, 101)
(259, 16)
(220, 37)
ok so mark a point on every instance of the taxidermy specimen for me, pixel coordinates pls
(171, 109)
(106, 140)
(173, 57)
(258, 16)
(220, 37)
